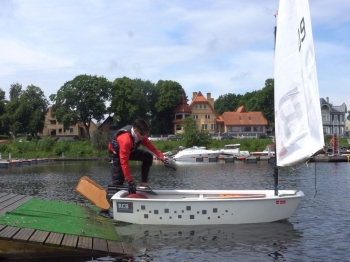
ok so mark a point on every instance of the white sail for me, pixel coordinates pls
(298, 120)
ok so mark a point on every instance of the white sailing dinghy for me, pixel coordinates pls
(298, 136)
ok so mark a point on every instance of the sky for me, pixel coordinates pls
(212, 46)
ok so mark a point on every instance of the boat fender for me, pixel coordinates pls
(136, 196)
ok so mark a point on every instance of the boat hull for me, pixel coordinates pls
(206, 207)
(193, 157)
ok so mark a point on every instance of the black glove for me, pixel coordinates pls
(132, 187)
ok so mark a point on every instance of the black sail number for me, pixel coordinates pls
(301, 32)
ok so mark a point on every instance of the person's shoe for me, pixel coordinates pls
(106, 214)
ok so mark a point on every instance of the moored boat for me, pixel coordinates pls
(268, 151)
(233, 150)
(192, 153)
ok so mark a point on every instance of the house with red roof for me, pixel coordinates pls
(238, 123)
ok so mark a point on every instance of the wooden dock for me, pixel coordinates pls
(19, 242)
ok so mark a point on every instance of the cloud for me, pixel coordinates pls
(210, 46)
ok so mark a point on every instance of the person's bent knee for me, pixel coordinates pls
(148, 158)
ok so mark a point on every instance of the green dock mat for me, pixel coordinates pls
(67, 218)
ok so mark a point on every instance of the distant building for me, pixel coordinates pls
(347, 128)
(236, 123)
(333, 117)
(52, 128)
(243, 123)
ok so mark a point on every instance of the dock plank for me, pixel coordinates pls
(11, 201)
(84, 243)
(2, 227)
(115, 247)
(69, 241)
(38, 237)
(6, 197)
(23, 235)
(100, 244)
(15, 205)
(2, 194)
(8, 232)
(127, 248)
(54, 239)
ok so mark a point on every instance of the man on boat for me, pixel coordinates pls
(123, 146)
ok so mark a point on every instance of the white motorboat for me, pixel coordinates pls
(299, 136)
(196, 152)
(233, 150)
(205, 207)
(268, 151)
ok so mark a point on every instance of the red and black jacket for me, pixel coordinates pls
(122, 143)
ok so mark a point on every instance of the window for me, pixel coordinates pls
(200, 106)
(53, 122)
(247, 128)
(204, 126)
(71, 130)
(212, 127)
(335, 118)
(257, 128)
(205, 106)
(207, 116)
(195, 116)
(178, 127)
(60, 130)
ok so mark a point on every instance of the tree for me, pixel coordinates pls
(169, 96)
(81, 100)
(26, 113)
(128, 101)
(148, 90)
(192, 136)
(227, 103)
(261, 100)
(34, 104)
(4, 129)
(15, 91)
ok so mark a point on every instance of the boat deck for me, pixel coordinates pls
(24, 236)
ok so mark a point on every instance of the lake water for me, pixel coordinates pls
(319, 230)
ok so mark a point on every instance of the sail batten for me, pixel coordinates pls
(298, 120)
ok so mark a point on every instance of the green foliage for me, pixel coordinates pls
(192, 136)
(99, 141)
(61, 147)
(128, 101)
(227, 103)
(261, 100)
(25, 112)
(81, 99)
(45, 145)
(169, 96)
(4, 149)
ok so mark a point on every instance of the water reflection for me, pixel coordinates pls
(171, 243)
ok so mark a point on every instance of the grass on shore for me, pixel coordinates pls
(48, 148)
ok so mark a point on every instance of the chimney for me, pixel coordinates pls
(194, 95)
(210, 100)
(327, 99)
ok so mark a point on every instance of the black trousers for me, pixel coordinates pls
(137, 155)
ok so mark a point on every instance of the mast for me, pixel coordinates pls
(275, 169)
